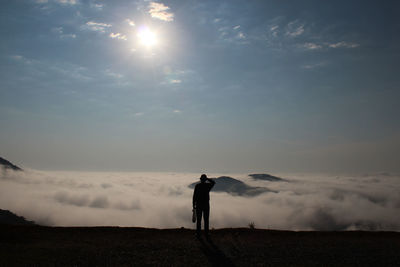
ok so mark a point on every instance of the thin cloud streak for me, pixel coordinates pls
(312, 46)
(118, 36)
(67, 2)
(62, 2)
(344, 45)
(96, 26)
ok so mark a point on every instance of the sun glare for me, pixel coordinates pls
(147, 37)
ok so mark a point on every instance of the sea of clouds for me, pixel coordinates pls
(164, 200)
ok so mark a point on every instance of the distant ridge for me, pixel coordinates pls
(236, 187)
(266, 177)
(7, 217)
(8, 165)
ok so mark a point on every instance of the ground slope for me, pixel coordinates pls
(113, 246)
(7, 217)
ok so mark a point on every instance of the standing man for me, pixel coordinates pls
(201, 202)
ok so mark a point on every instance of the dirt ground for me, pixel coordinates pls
(114, 246)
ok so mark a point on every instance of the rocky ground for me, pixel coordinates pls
(112, 246)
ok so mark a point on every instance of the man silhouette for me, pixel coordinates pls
(201, 202)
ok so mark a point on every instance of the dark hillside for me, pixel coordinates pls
(7, 217)
(235, 187)
(266, 177)
(113, 246)
(8, 165)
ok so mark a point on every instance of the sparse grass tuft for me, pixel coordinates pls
(252, 225)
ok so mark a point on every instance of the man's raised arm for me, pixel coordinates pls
(212, 182)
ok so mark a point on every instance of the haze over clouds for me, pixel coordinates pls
(163, 200)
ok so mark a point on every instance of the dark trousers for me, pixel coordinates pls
(205, 211)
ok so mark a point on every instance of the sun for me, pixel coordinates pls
(147, 37)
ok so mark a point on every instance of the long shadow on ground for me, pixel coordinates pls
(26, 245)
(215, 256)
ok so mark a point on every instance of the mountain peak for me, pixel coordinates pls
(266, 177)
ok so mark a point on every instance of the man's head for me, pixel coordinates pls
(203, 178)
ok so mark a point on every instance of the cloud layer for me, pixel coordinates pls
(163, 200)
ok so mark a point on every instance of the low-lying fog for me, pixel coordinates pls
(164, 200)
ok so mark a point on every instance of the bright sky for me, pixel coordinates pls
(226, 86)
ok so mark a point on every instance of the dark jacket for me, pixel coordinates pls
(201, 195)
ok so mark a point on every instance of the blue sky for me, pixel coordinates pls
(228, 86)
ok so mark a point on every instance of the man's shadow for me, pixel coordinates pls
(213, 253)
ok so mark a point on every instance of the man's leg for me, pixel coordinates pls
(206, 218)
(198, 215)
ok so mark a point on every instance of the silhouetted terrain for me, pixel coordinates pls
(235, 187)
(8, 165)
(266, 177)
(113, 246)
(7, 217)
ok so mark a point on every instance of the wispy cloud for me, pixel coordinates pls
(343, 44)
(130, 22)
(312, 46)
(22, 59)
(58, 30)
(313, 66)
(294, 29)
(232, 35)
(176, 81)
(118, 36)
(67, 2)
(241, 35)
(17, 57)
(64, 71)
(62, 2)
(171, 81)
(72, 71)
(138, 114)
(160, 11)
(113, 74)
(273, 28)
(97, 6)
(61, 34)
(177, 111)
(96, 26)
